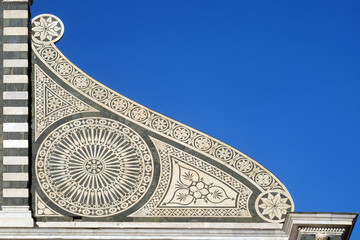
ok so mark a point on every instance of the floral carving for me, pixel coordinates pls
(119, 104)
(191, 188)
(81, 81)
(263, 179)
(273, 205)
(47, 28)
(49, 54)
(224, 153)
(202, 143)
(181, 133)
(64, 68)
(139, 114)
(162, 125)
(99, 93)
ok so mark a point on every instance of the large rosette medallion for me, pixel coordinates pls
(94, 167)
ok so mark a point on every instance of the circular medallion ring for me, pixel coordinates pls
(47, 29)
(94, 167)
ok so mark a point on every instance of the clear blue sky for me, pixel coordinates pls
(278, 80)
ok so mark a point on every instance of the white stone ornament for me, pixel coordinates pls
(273, 205)
(47, 29)
(94, 167)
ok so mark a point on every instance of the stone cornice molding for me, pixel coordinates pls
(319, 224)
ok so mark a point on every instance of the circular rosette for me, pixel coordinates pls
(94, 167)
(47, 29)
(273, 205)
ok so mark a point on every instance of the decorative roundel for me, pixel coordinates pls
(47, 28)
(94, 167)
(273, 205)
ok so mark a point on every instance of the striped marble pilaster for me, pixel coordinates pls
(15, 113)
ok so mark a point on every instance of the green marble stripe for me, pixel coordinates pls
(15, 6)
(13, 22)
(15, 39)
(15, 55)
(15, 71)
(16, 135)
(15, 118)
(15, 87)
(16, 168)
(15, 103)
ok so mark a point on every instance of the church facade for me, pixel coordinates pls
(81, 161)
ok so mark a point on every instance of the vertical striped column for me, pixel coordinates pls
(15, 110)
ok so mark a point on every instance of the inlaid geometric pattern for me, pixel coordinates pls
(273, 205)
(94, 167)
(70, 74)
(116, 158)
(53, 103)
(190, 187)
(43, 210)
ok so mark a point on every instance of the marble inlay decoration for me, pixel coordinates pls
(100, 161)
(94, 167)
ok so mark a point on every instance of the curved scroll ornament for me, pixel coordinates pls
(94, 167)
(71, 75)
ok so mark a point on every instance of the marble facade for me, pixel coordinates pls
(81, 161)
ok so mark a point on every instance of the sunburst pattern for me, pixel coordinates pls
(94, 167)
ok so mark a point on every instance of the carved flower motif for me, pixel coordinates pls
(49, 54)
(263, 179)
(54, 103)
(99, 93)
(64, 68)
(224, 153)
(191, 188)
(139, 114)
(160, 124)
(274, 206)
(47, 28)
(81, 81)
(202, 143)
(119, 104)
(181, 133)
(244, 165)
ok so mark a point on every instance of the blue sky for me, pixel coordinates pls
(278, 80)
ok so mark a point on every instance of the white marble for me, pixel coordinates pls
(139, 233)
(15, 216)
(16, 144)
(15, 47)
(15, 31)
(15, 78)
(15, 14)
(15, 63)
(15, 127)
(15, 193)
(15, 111)
(294, 222)
(159, 225)
(15, 176)
(15, 160)
(15, 95)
